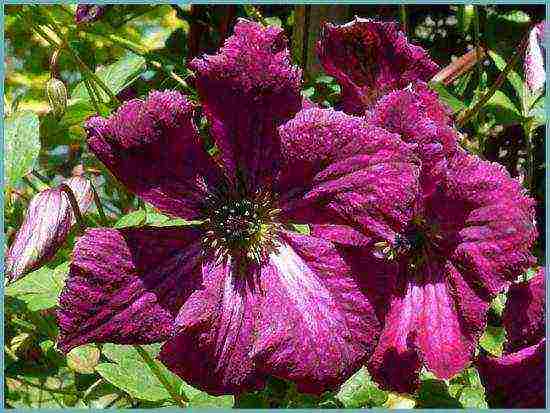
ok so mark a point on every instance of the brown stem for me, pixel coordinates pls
(74, 205)
(463, 64)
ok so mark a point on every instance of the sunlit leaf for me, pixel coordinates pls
(21, 145)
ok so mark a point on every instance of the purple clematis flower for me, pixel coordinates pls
(240, 295)
(472, 225)
(370, 58)
(88, 13)
(533, 65)
(517, 379)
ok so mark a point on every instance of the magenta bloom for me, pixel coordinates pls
(517, 379)
(472, 225)
(88, 13)
(242, 295)
(370, 58)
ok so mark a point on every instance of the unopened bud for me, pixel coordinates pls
(48, 221)
(57, 96)
(87, 13)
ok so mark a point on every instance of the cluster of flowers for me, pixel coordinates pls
(408, 237)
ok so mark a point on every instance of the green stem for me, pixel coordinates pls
(74, 205)
(403, 18)
(31, 184)
(99, 206)
(179, 399)
(530, 178)
(76, 58)
(141, 51)
(92, 95)
(470, 113)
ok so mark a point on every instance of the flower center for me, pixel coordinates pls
(412, 244)
(240, 225)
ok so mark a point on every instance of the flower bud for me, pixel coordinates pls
(47, 223)
(57, 96)
(87, 13)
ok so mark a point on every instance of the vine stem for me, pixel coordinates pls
(141, 51)
(470, 113)
(74, 205)
(74, 55)
(179, 399)
(99, 205)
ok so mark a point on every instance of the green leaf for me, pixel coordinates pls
(302, 228)
(468, 389)
(447, 97)
(435, 393)
(503, 109)
(41, 288)
(130, 373)
(40, 390)
(516, 16)
(83, 359)
(21, 144)
(492, 340)
(274, 21)
(360, 391)
(513, 77)
(538, 113)
(133, 219)
(116, 76)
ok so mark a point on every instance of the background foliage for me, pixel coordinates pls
(133, 49)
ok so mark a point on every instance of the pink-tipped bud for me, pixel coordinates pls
(48, 221)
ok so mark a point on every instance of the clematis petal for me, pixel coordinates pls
(523, 316)
(533, 66)
(154, 149)
(424, 326)
(495, 218)
(336, 165)
(45, 228)
(305, 316)
(247, 90)
(370, 58)
(417, 115)
(216, 329)
(516, 380)
(125, 286)
(318, 323)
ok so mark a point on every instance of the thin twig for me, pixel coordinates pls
(74, 205)
(468, 114)
(99, 205)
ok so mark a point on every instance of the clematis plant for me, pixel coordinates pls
(472, 225)
(239, 294)
(517, 379)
